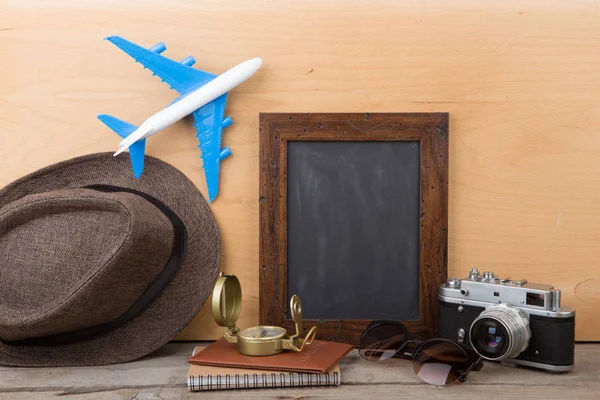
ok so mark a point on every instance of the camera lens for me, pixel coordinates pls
(500, 332)
(490, 338)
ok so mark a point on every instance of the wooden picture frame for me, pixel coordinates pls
(276, 130)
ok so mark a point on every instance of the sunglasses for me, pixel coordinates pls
(436, 361)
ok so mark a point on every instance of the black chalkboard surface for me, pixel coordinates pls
(353, 227)
(353, 219)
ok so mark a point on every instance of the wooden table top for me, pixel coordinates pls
(162, 375)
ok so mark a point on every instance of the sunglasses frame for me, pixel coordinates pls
(410, 348)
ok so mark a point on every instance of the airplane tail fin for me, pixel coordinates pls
(120, 127)
(137, 150)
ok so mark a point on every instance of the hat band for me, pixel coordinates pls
(152, 292)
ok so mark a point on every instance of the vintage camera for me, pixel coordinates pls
(510, 321)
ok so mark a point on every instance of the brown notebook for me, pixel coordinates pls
(319, 357)
(208, 377)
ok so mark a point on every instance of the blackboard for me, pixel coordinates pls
(353, 219)
(353, 226)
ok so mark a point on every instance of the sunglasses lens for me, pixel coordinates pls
(380, 342)
(440, 363)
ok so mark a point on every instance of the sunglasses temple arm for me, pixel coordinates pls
(476, 365)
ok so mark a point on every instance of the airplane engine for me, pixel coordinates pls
(158, 48)
(226, 122)
(189, 61)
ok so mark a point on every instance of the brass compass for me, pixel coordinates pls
(257, 340)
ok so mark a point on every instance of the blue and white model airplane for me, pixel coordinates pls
(202, 94)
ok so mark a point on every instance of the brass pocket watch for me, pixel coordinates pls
(257, 340)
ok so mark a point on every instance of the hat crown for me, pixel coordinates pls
(76, 257)
(169, 302)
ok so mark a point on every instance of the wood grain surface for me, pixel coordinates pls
(162, 376)
(430, 130)
(520, 79)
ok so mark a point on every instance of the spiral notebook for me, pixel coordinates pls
(205, 377)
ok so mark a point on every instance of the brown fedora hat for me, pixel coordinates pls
(97, 267)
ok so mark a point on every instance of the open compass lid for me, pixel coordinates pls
(227, 300)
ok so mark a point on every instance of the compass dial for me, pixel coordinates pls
(262, 332)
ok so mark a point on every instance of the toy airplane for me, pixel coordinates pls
(202, 94)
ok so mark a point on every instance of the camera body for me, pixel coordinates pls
(510, 321)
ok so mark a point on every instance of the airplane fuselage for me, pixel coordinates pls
(193, 101)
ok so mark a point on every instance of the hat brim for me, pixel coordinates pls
(185, 294)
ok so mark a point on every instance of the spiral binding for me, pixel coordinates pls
(199, 383)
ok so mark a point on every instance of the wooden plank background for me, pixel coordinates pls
(520, 79)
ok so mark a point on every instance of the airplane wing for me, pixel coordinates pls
(178, 76)
(209, 123)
